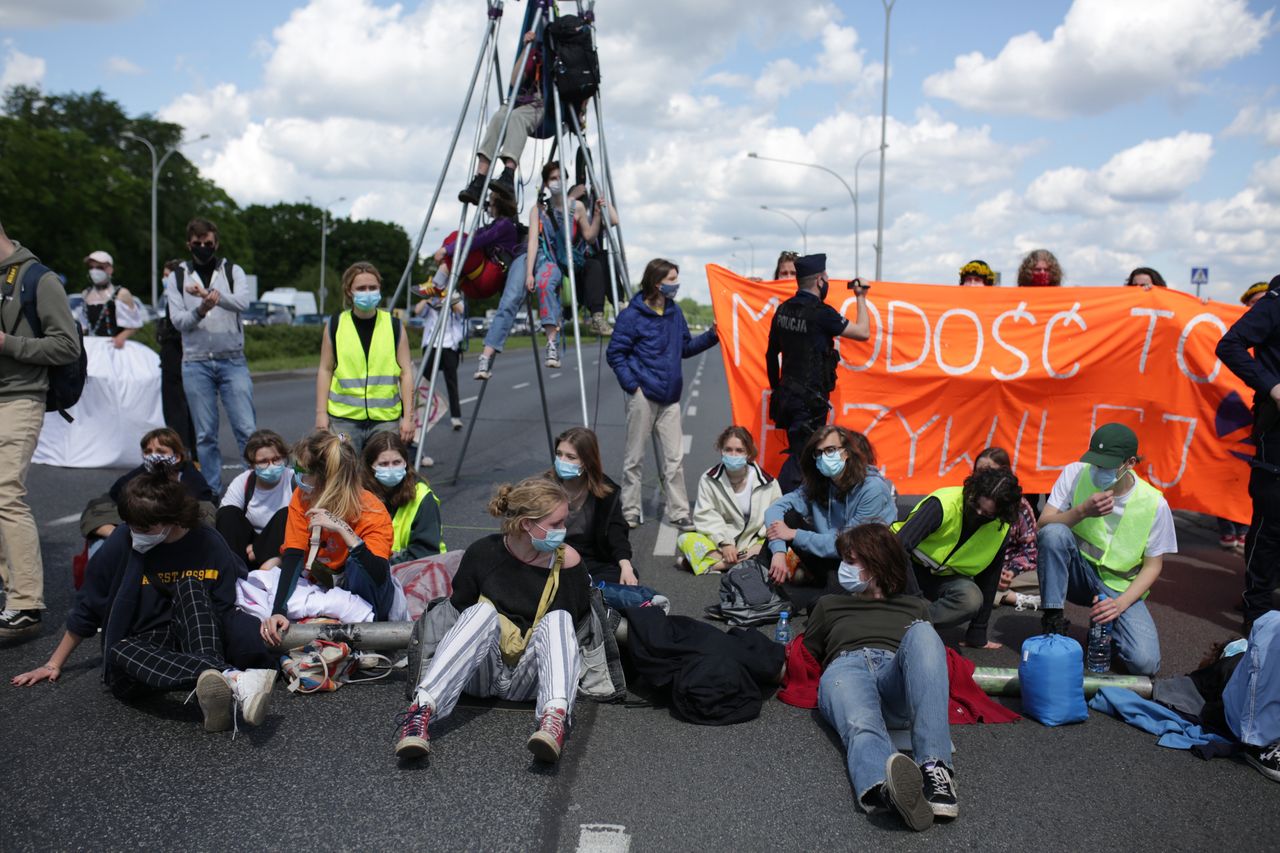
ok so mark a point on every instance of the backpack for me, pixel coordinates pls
(575, 68)
(180, 272)
(66, 381)
(747, 596)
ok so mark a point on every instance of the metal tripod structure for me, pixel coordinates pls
(487, 61)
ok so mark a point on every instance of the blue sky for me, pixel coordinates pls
(1116, 133)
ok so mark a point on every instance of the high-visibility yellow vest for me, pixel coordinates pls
(1116, 557)
(402, 521)
(365, 388)
(938, 552)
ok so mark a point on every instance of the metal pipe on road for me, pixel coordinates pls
(998, 681)
(378, 636)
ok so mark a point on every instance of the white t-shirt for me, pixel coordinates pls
(743, 497)
(1163, 538)
(266, 500)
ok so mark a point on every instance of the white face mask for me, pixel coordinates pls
(144, 542)
(99, 277)
(850, 577)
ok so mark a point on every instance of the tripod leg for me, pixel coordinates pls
(466, 440)
(542, 389)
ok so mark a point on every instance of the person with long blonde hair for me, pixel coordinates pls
(522, 595)
(338, 534)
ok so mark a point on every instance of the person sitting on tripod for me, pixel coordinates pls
(592, 275)
(526, 116)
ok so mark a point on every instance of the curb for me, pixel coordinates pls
(276, 375)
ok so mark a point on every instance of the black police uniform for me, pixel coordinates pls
(803, 333)
(1259, 330)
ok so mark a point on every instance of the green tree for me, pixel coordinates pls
(285, 239)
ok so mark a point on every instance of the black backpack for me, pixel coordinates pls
(66, 381)
(575, 68)
(747, 597)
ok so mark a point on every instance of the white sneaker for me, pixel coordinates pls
(1026, 601)
(456, 423)
(251, 691)
(215, 697)
(553, 353)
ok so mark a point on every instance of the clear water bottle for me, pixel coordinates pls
(782, 633)
(1098, 657)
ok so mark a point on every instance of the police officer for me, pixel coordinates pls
(1259, 330)
(801, 359)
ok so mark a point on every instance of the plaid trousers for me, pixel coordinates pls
(172, 658)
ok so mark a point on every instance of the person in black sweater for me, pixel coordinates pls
(597, 530)
(881, 659)
(522, 594)
(162, 592)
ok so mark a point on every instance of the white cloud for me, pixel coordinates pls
(222, 112)
(1105, 53)
(1266, 176)
(122, 65)
(1252, 120)
(30, 13)
(20, 69)
(1157, 169)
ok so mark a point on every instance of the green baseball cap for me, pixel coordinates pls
(1111, 446)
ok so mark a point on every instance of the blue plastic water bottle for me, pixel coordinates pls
(1098, 656)
(783, 632)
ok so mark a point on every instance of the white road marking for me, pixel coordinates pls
(1191, 561)
(692, 411)
(555, 376)
(466, 400)
(603, 838)
(665, 544)
(694, 393)
(66, 519)
(520, 385)
(686, 442)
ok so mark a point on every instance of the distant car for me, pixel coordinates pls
(520, 326)
(266, 314)
(477, 325)
(416, 322)
(309, 320)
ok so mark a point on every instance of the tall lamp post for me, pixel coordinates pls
(884, 118)
(156, 166)
(853, 196)
(752, 246)
(324, 236)
(803, 229)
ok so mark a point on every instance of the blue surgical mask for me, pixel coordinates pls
(367, 300)
(669, 290)
(1235, 647)
(831, 464)
(850, 577)
(269, 474)
(307, 488)
(1104, 478)
(567, 470)
(733, 461)
(553, 538)
(392, 476)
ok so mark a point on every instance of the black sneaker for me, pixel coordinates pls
(874, 801)
(16, 624)
(1052, 622)
(1266, 759)
(504, 184)
(940, 789)
(471, 195)
(904, 789)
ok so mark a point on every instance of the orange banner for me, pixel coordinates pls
(949, 370)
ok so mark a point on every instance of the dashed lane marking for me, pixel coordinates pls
(466, 400)
(692, 411)
(603, 838)
(686, 443)
(66, 519)
(665, 544)
(519, 385)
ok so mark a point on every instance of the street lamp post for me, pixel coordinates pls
(884, 118)
(853, 196)
(794, 221)
(324, 235)
(752, 246)
(155, 179)
(806, 227)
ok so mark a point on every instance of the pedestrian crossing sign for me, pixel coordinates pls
(1199, 276)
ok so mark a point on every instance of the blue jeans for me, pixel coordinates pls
(546, 283)
(380, 596)
(862, 692)
(1251, 699)
(1066, 576)
(204, 382)
(511, 303)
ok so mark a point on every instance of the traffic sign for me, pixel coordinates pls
(1199, 276)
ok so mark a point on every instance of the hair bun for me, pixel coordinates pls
(501, 502)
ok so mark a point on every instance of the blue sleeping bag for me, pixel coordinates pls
(1051, 673)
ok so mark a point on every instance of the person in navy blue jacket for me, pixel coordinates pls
(1259, 330)
(650, 338)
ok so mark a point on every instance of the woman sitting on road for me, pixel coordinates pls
(365, 383)
(596, 529)
(160, 446)
(414, 508)
(255, 508)
(839, 490)
(728, 517)
(522, 595)
(338, 537)
(881, 660)
(161, 593)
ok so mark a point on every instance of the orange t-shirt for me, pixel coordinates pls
(373, 526)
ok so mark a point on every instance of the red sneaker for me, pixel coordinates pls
(414, 741)
(548, 740)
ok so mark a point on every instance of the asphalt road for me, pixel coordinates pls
(85, 771)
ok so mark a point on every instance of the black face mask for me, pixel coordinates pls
(203, 254)
(823, 288)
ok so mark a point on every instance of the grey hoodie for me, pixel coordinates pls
(24, 358)
(219, 333)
